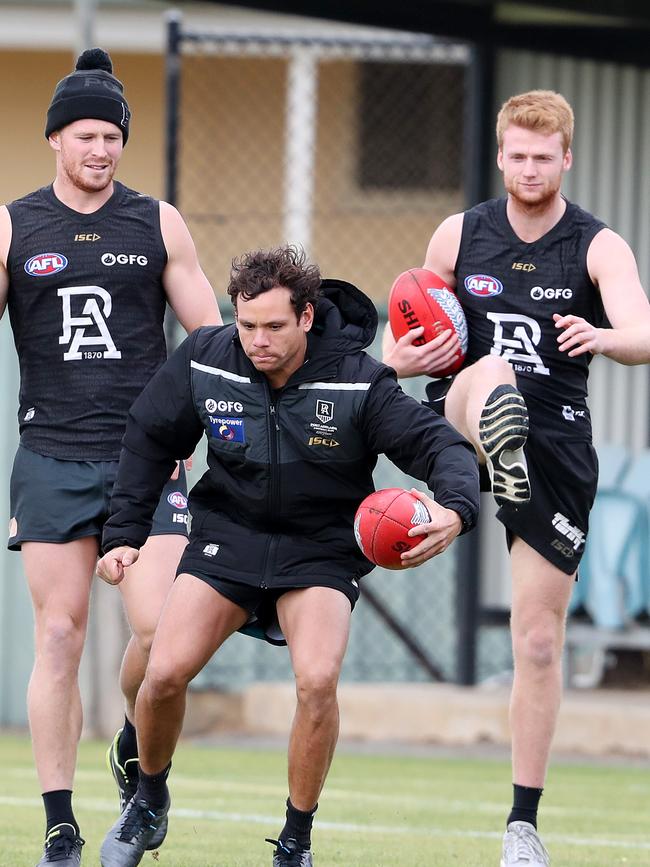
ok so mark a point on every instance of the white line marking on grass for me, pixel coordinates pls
(98, 806)
(225, 788)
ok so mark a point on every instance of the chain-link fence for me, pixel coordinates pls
(352, 147)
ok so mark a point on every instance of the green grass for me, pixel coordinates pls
(376, 811)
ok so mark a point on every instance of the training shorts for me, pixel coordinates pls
(54, 500)
(563, 474)
(259, 601)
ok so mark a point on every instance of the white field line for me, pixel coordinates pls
(224, 788)
(99, 806)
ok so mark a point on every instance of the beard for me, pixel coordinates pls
(85, 180)
(533, 201)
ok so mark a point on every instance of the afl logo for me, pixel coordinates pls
(483, 286)
(178, 500)
(46, 264)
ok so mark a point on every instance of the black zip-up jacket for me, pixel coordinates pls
(286, 469)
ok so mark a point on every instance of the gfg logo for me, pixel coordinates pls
(213, 405)
(538, 293)
(111, 259)
(45, 264)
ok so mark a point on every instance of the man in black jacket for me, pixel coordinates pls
(295, 413)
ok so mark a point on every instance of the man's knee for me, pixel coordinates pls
(316, 687)
(163, 682)
(495, 368)
(60, 639)
(143, 638)
(540, 645)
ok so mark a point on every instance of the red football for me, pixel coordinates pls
(420, 297)
(382, 522)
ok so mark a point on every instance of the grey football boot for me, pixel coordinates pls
(131, 836)
(62, 849)
(126, 777)
(289, 854)
(522, 847)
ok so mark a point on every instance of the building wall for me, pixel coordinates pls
(26, 157)
(233, 172)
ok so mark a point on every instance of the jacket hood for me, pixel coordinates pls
(345, 321)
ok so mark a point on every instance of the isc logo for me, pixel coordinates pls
(87, 236)
(328, 442)
(45, 264)
(565, 550)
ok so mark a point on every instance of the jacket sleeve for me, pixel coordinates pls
(162, 427)
(424, 445)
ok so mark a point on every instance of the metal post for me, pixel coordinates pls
(467, 606)
(479, 135)
(300, 127)
(172, 97)
(85, 15)
(173, 331)
(410, 643)
(479, 124)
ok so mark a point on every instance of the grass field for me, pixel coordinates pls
(377, 810)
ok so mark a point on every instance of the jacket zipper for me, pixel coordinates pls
(274, 487)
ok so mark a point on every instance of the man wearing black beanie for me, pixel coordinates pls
(91, 91)
(86, 268)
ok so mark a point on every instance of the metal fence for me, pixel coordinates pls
(351, 148)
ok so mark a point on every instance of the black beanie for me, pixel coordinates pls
(91, 91)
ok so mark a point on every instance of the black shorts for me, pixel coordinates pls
(258, 601)
(54, 500)
(563, 477)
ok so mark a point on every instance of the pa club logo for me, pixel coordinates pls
(324, 410)
(211, 550)
(177, 500)
(45, 264)
(92, 309)
(229, 430)
(483, 285)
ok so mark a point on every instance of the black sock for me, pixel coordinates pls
(127, 745)
(58, 810)
(153, 788)
(524, 805)
(298, 825)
